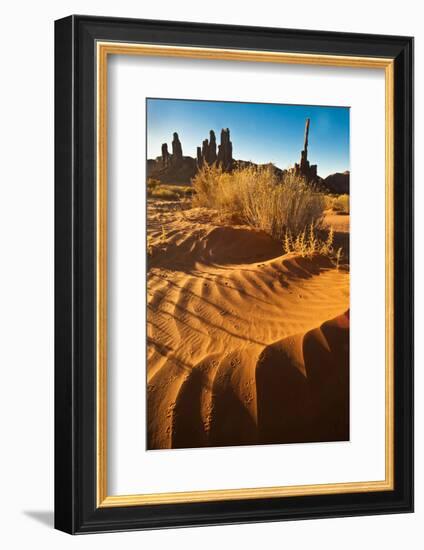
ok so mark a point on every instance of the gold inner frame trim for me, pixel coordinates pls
(104, 49)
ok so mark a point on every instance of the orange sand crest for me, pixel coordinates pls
(246, 345)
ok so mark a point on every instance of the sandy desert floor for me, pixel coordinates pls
(246, 345)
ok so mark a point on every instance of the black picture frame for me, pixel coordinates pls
(76, 510)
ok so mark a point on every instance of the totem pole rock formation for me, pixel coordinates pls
(207, 153)
(211, 157)
(166, 157)
(304, 164)
(177, 150)
(176, 168)
(304, 169)
(205, 150)
(225, 151)
(172, 167)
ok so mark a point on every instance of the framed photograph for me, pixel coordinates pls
(234, 274)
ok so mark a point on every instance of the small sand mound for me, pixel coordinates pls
(215, 246)
(237, 245)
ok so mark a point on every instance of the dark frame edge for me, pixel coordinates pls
(64, 449)
(404, 269)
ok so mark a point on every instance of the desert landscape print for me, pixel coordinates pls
(247, 273)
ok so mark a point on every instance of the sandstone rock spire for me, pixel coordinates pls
(165, 154)
(225, 151)
(177, 151)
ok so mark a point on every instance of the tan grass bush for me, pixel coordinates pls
(260, 197)
(158, 190)
(341, 204)
(338, 203)
(307, 243)
(152, 183)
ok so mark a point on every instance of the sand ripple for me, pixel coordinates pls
(245, 345)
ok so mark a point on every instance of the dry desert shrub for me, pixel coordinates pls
(158, 190)
(338, 203)
(341, 204)
(307, 243)
(260, 197)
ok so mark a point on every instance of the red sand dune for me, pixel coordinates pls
(245, 345)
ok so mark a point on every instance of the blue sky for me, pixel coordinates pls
(260, 132)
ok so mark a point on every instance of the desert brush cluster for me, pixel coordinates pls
(260, 198)
(287, 208)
